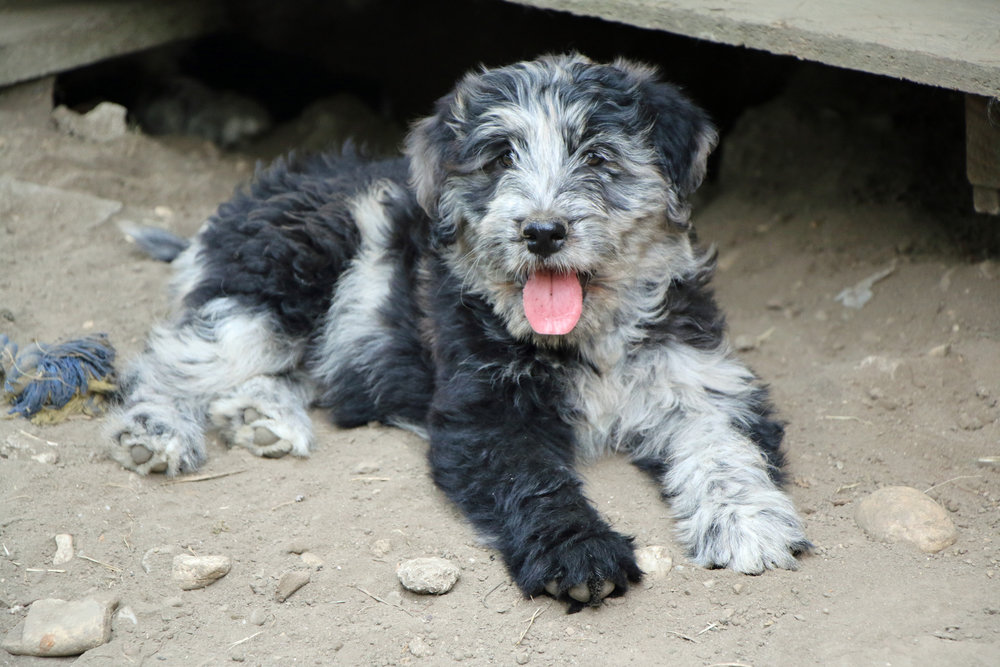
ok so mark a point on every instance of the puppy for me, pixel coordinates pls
(522, 289)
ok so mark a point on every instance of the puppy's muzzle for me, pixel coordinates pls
(544, 236)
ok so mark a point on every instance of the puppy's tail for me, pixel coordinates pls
(156, 242)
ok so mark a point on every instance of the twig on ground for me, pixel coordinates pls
(710, 626)
(683, 636)
(378, 599)
(201, 478)
(531, 621)
(845, 418)
(953, 479)
(245, 639)
(94, 560)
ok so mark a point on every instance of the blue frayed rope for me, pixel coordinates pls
(48, 377)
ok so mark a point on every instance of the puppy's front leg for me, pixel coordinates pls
(505, 458)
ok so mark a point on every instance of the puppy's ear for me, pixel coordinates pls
(682, 134)
(427, 146)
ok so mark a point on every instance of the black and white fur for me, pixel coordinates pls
(391, 291)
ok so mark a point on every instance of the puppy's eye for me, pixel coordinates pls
(594, 159)
(506, 159)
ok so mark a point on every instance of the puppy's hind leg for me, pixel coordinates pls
(187, 364)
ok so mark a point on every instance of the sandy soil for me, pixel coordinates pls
(810, 199)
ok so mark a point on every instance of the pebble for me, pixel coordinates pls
(47, 458)
(311, 559)
(289, 583)
(59, 628)
(105, 122)
(940, 351)
(655, 561)
(904, 514)
(258, 617)
(434, 576)
(192, 572)
(419, 648)
(297, 548)
(365, 468)
(380, 548)
(64, 549)
(126, 614)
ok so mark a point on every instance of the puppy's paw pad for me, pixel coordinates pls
(252, 426)
(146, 445)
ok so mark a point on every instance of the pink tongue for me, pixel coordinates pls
(552, 302)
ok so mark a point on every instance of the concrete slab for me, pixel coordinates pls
(39, 37)
(948, 43)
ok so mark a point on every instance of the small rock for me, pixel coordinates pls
(904, 514)
(655, 561)
(258, 617)
(739, 587)
(103, 123)
(199, 571)
(60, 628)
(940, 350)
(64, 549)
(522, 658)
(380, 548)
(435, 576)
(365, 468)
(48, 458)
(296, 548)
(744, 343)
(289, 583)
(125, 614)
(311, 559)
(419, 648)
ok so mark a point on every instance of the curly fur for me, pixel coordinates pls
(392, 291)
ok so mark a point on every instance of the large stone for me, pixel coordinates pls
(434, 576)
(192, 572)
(904, 514)
(60, 628)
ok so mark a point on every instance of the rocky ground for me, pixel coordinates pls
(813, 195)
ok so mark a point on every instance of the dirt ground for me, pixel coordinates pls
(810, 198)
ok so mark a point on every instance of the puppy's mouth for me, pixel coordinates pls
(553, 301)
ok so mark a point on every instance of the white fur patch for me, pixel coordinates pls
(352, 335)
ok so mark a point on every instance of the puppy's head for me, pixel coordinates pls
(556, 186)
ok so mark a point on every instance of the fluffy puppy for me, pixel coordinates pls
(521, 288)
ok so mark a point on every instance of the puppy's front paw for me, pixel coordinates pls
(752, 540)
(581, 569)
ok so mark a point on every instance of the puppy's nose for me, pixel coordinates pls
(544, 237)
